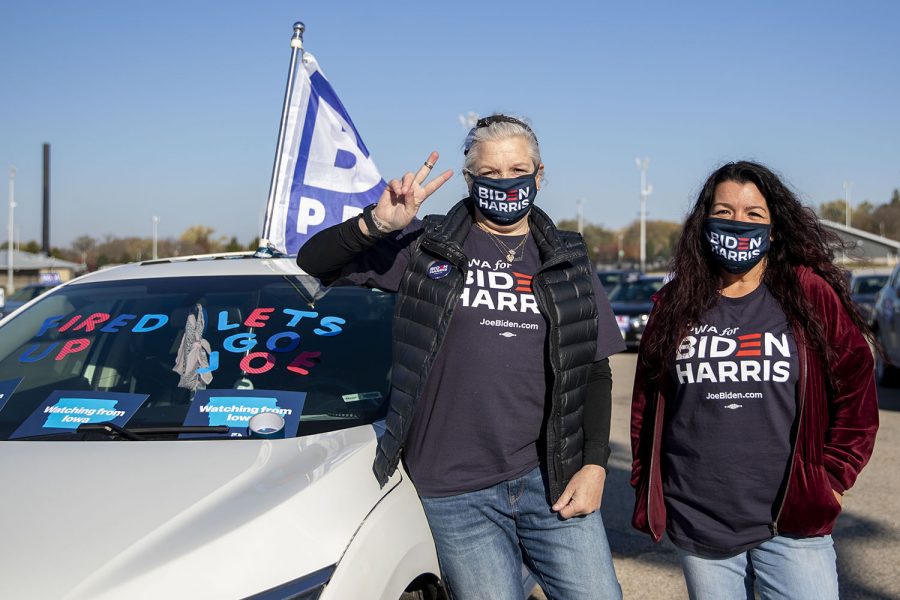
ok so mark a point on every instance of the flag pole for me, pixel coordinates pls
(296, 52)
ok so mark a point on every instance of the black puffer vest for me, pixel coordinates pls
(565, 295)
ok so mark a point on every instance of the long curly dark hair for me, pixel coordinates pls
(797, 239)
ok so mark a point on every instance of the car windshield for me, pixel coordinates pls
(641, 290)
(868, 284)
(197, 351)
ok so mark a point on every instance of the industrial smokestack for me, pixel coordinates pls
(46, 234)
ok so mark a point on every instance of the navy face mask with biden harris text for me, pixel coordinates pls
(504, 201)
(736, 245)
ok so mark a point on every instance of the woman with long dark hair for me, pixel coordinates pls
(754, 404)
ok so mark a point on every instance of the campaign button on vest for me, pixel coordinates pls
(438, 269)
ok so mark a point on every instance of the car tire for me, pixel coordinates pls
(424, 589)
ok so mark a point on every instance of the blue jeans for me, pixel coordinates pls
(783, 568)
(483, 537)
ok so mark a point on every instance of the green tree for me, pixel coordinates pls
(662, 237)
(198, 239)
(84, 243)
(863, 217)
(600, 242)
(887, 220)
(835, 211)
(883, 219)
(233, 245)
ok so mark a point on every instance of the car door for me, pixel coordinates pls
(889, 317)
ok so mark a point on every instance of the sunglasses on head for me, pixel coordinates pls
(485, 121)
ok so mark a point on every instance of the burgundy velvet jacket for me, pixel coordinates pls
(834, 432)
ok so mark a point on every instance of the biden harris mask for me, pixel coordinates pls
(736, 245)
(504, 201)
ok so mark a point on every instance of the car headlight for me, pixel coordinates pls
(639, 321)
(308, 587)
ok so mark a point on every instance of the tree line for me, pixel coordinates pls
(607, 247)
(883, 219)
(611, 247)
(622, 247)
(111, 250)
(604, 245)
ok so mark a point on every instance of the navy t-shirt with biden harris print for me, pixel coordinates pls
(727, 440)
(481, 414)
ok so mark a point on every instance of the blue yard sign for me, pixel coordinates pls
(235, 408)
(64, 411)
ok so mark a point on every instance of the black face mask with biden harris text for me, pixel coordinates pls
(737, 245)
(504, 201)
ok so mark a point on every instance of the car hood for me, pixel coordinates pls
(191, 518)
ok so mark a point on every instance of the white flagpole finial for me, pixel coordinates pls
(297, 39)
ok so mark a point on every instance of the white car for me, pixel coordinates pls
(126, 464)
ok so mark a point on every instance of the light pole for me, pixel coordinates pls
(646, 190)
(847, 186)
(155, 224)
(10, 286)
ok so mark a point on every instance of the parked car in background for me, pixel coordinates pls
(864, 286)
(129, 469)
(886, 325)
(631, 301)
(609, 279)
(23, 295)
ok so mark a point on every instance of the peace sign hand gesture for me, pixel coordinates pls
(400, 201)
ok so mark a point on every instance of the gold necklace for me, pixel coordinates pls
(503, 248)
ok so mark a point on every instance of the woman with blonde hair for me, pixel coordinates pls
(501, 386)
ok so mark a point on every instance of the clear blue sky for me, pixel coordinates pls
(171, 108)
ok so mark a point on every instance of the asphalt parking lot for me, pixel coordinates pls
(867, 536)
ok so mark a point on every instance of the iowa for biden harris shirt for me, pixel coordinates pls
(481, 414)
(727, 440)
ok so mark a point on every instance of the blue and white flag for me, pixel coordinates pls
(325, 174)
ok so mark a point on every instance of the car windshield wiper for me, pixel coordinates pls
(83, 431)
(47, 436)
(138, 433)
